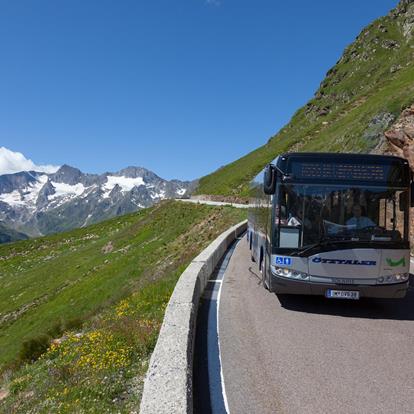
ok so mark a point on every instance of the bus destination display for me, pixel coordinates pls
(339, 171)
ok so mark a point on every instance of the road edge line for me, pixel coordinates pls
(223, 385)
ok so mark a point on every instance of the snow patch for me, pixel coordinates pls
(160, 195)
(126, 183)
(27, 196)
(32, 192)
(86, 220)
(13, 199)
(66, 190)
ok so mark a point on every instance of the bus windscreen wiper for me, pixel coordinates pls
(321, 243)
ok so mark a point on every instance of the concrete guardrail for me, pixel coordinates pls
(168, 384)
(212, 203)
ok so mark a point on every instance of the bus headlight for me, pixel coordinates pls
(289, 273)
(396, 278)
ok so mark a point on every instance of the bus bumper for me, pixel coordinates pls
(298, 287)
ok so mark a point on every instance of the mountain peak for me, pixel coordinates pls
(133, 172)
(65, 168)
(67, 174)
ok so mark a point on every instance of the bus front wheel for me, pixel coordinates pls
(262, 270)
(266, 277)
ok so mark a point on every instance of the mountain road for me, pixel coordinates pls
(211, 203)
(309, 354)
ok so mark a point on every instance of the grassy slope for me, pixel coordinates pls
(54, 280)
(358, 88)
(57, 283)
(107, 308)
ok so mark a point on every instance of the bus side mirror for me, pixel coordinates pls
(412, 195)
(269, 184)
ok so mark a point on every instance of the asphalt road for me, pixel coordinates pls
(310, 354)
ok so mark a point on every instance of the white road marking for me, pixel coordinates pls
(223, 387)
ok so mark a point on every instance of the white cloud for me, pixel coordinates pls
(11, 162)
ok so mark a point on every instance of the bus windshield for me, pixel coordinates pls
(306, 214)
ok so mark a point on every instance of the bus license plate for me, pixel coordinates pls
(342, 294)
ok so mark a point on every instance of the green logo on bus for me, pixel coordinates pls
(394, 263)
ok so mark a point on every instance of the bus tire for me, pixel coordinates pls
(262, 270)
(267, 278)
(261, 261)
(270, 285)
(264, 281)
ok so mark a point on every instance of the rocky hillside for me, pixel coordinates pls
(400, 137)
(361, 97)
(40, 203)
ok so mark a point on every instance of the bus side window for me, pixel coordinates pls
(390, 216)
(282, 216)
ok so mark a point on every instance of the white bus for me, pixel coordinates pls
(332, 224)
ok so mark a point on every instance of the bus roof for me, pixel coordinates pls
(339, 157)
(319, 166)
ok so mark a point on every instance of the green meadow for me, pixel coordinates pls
(80, 311)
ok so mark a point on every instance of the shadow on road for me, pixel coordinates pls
(398, 309)
(256, 276)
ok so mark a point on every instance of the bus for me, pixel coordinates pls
(335, 225)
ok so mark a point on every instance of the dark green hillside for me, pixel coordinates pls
(358, 99)
(8, 235)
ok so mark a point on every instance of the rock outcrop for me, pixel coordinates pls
(399, 140)
(400, 137)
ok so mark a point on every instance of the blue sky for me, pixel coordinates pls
(180, 87)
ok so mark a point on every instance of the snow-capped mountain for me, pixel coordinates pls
(40, 203)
